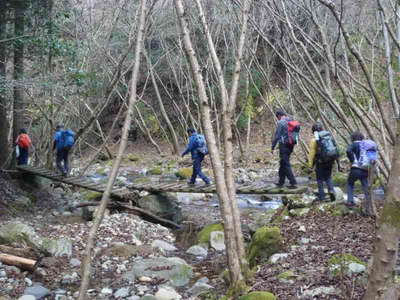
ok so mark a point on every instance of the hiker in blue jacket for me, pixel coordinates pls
(63, 142)
(198, 149)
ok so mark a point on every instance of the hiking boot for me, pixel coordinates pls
(279, 185)
(292, 187)
(332, 196)
(350, 204)
(191, 183)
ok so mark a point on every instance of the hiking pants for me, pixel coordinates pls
(23, 156)
(285, 169)
(324, 174)
(197, 169)
(62, 157)
(357, 174)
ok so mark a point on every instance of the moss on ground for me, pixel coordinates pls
(339, 263)
(132, 157)
(91, 195)
(184, 173)
(156, 171)
(203, 236)
(258, 296)
(265, 242)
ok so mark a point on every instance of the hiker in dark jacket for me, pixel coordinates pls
(356, 173)
(197, 157)
(323, 168)
(62, 151)
(281, 138)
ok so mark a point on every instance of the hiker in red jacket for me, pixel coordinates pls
(23, 142)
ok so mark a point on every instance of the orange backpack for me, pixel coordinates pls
(24, 141)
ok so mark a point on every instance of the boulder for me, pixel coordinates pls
(163, 245)
(37, 290)
(61, 247)
(217, 240)
(299, 212)
(173, 269)
(265, 242)
(320, 291)
(122, 293)
(167, 293)
(340, 265)
(200, 287)
(294, 201)
(203, 236)
(258, 296)
(197, 250)
(165, 205)
(277, 257)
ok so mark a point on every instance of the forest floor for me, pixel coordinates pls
(309, 242)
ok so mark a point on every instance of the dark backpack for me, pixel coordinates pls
(327, 149)
(67, 138)
(201, 144)
(293, 132)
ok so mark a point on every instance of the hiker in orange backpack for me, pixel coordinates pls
(23, 142)
(286, 136)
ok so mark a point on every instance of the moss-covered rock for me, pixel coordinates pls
(91, 195)
(298, 201)
(265, 242)
(156, 171)
(184, 173)
(132, 157)
(165, 205)
(203, 236)
(102, 171)
(299, 212)
(345, 264)
(287, 276)
(339, 179)
(258, 296)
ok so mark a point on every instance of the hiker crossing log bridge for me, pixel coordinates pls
(154, 187)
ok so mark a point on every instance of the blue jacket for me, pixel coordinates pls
(58, 142)
(192, 147)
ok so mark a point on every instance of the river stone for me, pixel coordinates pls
(163, 245)
(197, 250)
(61, 247)
(27, 297)
(164, 205)
(37, 290)
(217, 240)
(74, 262)
(199, 288)
(322, 290)
(355, 268)
(122, 293)
(167, 293)
(277, 257)
(178, 272)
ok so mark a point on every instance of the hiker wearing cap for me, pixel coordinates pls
(23, 143)
(63, 142)
(197, 146)
(362, 154)
(286, 136)
(323, 154)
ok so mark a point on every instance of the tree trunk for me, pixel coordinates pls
(114, 172)
(4, 146)
(19, 29)
(387, 237)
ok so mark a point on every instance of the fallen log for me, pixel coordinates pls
(148, 216)
(20, 262)
(23, 252)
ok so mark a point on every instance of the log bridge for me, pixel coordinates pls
(154, 187)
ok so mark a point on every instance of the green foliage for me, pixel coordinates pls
(203, 236)
(156, 171)
(184, 173)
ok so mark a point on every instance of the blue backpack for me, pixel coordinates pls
(201, 144)
(67, 138)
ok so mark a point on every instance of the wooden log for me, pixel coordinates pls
(23, 252)
(20, 262)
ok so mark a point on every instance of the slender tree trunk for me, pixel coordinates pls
(381, 278)
(114, 172)
(229, 229)
(4, 126)
(19, 29)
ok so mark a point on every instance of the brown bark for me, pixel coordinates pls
(386, 244)
(20, 262)
(124, 140)
(23, 252)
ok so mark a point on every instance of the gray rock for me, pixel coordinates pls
(106, 291)
(277, 257)
(199, 288)
(70, 279)
(3, 274)
(22, 202)
(299, 212)
(165, 205)
(148, 297)
(74, 262)
(37, 290)
(197, 250)
(294, 201)
(355, 268)
(322, 290)
(167, 293)
(27, 297)
(339, 195)
(178, 272)
(163, 245)
(122, 293)
(61, 247)
(133, 298)
(28, 281)
(217, 240)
